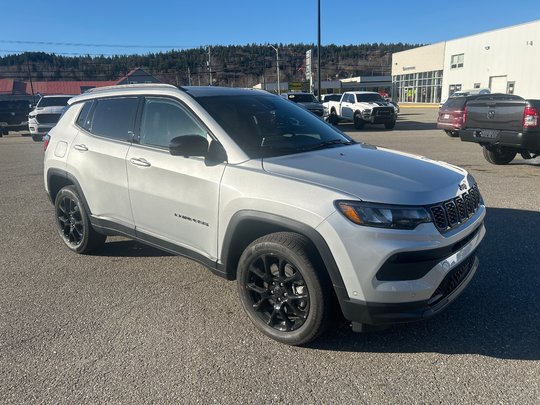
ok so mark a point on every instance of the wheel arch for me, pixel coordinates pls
(58, 179)
(247, 225)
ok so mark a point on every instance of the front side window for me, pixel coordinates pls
(114, 118)
(456, 61)
(266, 125)
(164, 119)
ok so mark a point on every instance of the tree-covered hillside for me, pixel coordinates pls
(240, 66)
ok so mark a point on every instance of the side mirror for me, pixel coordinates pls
(188, 145)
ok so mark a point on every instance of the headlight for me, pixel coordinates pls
(383, 216)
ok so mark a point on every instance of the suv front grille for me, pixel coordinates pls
(47, 118)
(452, 213)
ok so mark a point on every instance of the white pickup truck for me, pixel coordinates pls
(362, 107)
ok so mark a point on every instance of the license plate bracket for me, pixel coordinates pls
(488, 133)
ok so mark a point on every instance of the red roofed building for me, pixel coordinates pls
(15, 87)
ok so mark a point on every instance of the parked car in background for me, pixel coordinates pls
(306, 100)
(46, 114)
(326, 98)
(504, 125)
(14, 113)
(263, 192)
(451, 114)
(464, 93)
(362, 107)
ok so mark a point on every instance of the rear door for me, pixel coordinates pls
(496, 112)
(173, 198)
(97, 157)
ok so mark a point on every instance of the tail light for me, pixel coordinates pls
(464, 117)
(530, 117)
(46, 140)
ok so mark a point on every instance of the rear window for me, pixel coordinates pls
(455, 103)
(53, 101)
(498, 96)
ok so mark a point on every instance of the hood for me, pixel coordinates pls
(373, 174)
(376, 103)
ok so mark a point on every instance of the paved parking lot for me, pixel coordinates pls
(132, 324)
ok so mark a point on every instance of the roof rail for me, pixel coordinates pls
(130, 86)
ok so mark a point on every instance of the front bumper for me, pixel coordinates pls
(373, 313)
(393, 276)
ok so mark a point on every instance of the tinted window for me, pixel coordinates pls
(114, 117)
(302, 98)
(164, 119)
(84, 119)
(266, 125)
(455, 103)
(53, 101)
(369, 97)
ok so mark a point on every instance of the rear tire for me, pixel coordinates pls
(37, 138)
(281, 290)
(452, 134)
(358, 122)
(499, 155)
(73, 222)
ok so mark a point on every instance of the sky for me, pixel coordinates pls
(139, 27)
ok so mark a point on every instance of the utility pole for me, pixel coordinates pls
(319, 50)
(277, 67)
(210, 65)
(30, 77)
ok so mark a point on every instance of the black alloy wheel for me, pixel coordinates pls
(73, 223)
(281, 290)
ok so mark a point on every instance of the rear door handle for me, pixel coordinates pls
(81, 147)
(140, 162)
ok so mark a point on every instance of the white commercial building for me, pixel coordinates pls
(503, 60)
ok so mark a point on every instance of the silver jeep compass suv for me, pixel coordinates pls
(264, 192)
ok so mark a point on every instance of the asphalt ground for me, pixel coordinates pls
(132, 324)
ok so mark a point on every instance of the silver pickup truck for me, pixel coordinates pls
(504, 125)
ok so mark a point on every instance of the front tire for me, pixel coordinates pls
(358, 122)
(333, 118)
(73, 222)
(499, 155)
(37, 138)
(280, 289)
(390, 125)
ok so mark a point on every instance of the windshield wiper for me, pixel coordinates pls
(325, 144)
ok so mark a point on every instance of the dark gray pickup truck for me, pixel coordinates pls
(504, 125)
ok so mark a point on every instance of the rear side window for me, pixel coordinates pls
(114, 118)
(84, 116)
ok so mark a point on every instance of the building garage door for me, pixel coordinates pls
(497, 84)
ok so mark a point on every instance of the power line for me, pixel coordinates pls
(78, 44)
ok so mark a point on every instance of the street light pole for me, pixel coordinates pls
(277, 67)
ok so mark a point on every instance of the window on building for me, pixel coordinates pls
(456, 61)
(477, 85)
(453, 88)
(510, 87)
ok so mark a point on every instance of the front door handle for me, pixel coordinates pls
(140, 162)
(81, 147)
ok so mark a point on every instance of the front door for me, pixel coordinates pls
(173, 198)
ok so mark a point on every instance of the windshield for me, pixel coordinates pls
(366, 98)
(332, 97)
(302, 98)
(266, 125)
(53, 101)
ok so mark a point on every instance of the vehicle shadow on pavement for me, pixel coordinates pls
(129, 248)
(400, 126)
(498, 315)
